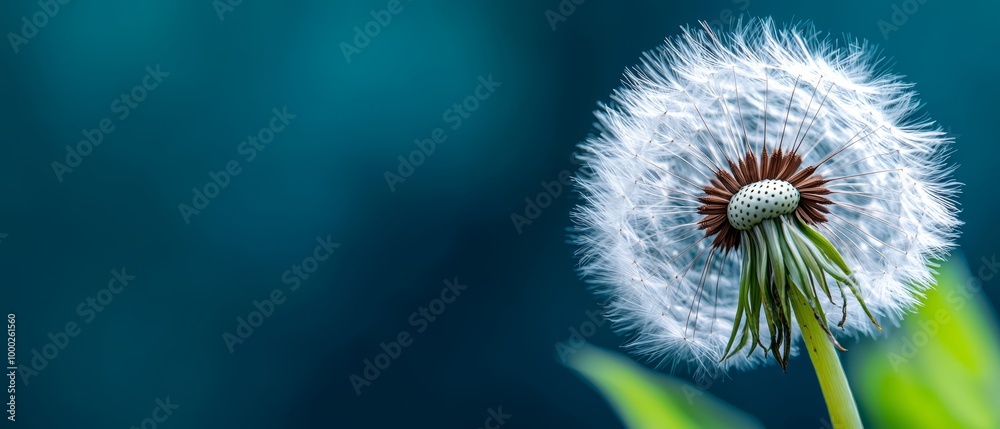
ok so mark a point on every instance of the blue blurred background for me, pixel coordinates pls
(332, 173)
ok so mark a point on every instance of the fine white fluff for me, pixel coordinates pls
(684, 109)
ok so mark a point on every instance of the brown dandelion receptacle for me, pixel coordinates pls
(774, 166)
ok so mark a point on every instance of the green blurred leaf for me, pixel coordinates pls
(647, 399)
(942, 369)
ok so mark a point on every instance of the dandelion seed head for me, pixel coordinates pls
(709, 120)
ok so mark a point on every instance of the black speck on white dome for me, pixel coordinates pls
(759, 201)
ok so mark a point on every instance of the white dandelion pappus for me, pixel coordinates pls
(674, 232)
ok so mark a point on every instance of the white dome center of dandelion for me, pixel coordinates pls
(759, 201)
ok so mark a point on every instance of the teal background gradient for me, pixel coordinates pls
(324, 176)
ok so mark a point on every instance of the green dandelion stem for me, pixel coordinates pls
(839, 399)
